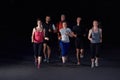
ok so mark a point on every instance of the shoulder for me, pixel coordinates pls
(69, 29)
(61, 29)
(34, 28)
(90, 30)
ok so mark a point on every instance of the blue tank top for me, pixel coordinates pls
(95, 36)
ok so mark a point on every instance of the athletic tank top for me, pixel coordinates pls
(38, 36)
(95, 36)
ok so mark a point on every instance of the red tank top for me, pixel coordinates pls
(59, 26)
(38, 36)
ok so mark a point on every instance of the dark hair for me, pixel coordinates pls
(99, 23)
(38, 19)
(64, 22)
(63, 15)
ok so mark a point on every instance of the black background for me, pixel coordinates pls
(18, 17)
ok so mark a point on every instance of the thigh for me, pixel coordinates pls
(40, 49)
(92, 49)
(77, 43)
(35, 49)
(98, 48)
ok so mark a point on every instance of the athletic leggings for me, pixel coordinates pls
(38, 49)
(95, 49)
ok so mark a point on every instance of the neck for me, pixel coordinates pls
(47, 22)
(78, 24)
(95, 27)
(39, 26)
(64, 27)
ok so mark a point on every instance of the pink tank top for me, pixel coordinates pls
(38, 36)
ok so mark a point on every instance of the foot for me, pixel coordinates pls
(45, 60)
(78, 63)
(96, 64)
(36, 61)
(48, 60)
(81, 55)
(38, 66)
(92, 65)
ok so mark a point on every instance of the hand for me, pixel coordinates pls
(75, 35)
(46, 38)
(90, 39)
(49, 30)
(59, 38)
(100, 40)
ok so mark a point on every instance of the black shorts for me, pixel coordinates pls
(48, 42)
(79, 43)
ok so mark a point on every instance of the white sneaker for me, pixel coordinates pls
(96, 63)
(92, 65)
(48, 60)
(81, 56)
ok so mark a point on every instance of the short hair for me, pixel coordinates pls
(64, 22)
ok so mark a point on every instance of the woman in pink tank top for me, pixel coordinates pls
(37, 40)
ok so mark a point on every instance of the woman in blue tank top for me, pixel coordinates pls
(95, 37)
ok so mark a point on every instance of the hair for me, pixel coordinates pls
(79, 17)
(63, 15)
(99, 25)
(38, 19)
(95, 20)
(64, 22)
(47, 16)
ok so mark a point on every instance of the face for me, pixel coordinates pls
(62, 17)
(79, 19)
(39, 22)
(48, 18)
(95, 23)
(64, 24)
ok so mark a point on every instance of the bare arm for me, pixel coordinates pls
(101, 35)
(71, 34)
(74, 35)
(89, 35)
(32, 37)
(46, 38)
(54, 29)
(59, 36)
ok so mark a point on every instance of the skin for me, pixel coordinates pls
(95, 29)
(45, 46)
(63, 17)
(78, 51)
(40, 29)
(64, 58)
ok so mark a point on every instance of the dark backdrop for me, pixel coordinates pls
(18, 17)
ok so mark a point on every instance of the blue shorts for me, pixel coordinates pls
(64, 48)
